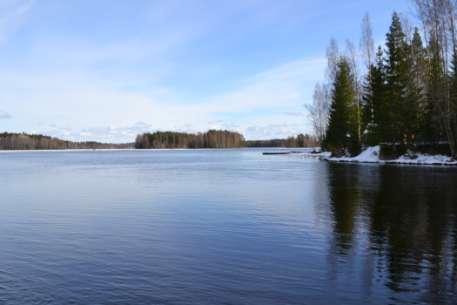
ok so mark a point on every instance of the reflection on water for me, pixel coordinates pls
(404, 220)
(223, 227)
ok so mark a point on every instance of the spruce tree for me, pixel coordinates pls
(431, 125)
(341, 137)
(374, 118)
(397, 78)
(413, 100)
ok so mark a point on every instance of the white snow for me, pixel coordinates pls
(316, 153)
(371, 155)
(426, 160)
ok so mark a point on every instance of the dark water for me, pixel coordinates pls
(223, 227)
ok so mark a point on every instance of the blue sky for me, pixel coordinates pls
(107, 70)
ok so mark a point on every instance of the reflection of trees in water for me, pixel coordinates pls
(409, 216)
(344, 198)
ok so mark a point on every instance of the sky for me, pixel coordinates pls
(107, 70)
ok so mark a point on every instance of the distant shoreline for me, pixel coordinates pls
(212, 139)
(63, 150)
(147, 149)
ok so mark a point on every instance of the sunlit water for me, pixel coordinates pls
(223, 227)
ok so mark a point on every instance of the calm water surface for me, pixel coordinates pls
(223, 227)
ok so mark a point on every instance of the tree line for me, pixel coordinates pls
(23, 141)
(298, 141)
(167, 139)
(215, 139)
(170, 139)
(408, 93)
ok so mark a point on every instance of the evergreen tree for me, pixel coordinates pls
(397, 77)
(431, 122)
(413, 100)
(374, 110)
(342, 132)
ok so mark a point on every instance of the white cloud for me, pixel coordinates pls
(280, 87)
(82, 88)
(87, 108)
(108, 134)
(273, 131)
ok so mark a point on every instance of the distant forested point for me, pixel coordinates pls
(215, 139)
(23, 141)
(210, 139)
(405, 93)
(298, 141)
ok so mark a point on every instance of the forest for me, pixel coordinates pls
(298, 141)
(156, 140)
(215, 139)
(402, 94)
(23, 141)
(170, 139)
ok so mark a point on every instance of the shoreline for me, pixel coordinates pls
(146, 149)
(394, 162)
(3, 151)
(371, 155)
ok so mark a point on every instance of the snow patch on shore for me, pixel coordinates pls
(372, 155)
(426, 160)
(369, 155)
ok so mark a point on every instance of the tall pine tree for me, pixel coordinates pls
(397, 78)
(342, 133)
(410, 110)
(374, 102)
(431, 124)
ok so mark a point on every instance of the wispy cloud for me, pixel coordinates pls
(4, 115)
(278, 87)
(296, 114)
(99, 87)
(12, 15)
(87, 108)
(273, 131)
(111, 134)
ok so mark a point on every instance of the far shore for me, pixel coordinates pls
(148, 149)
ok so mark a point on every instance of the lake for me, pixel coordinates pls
(223, 227)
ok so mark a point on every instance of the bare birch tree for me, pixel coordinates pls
(318, 111)
(367, 41)
(333, 55)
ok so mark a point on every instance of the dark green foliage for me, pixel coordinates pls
(341, 137)
(374, 103)
(398, 93)
(215, 139)
(431, 124)
(410, 111)
(392, 96)
(210, 139)
(409, 95)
